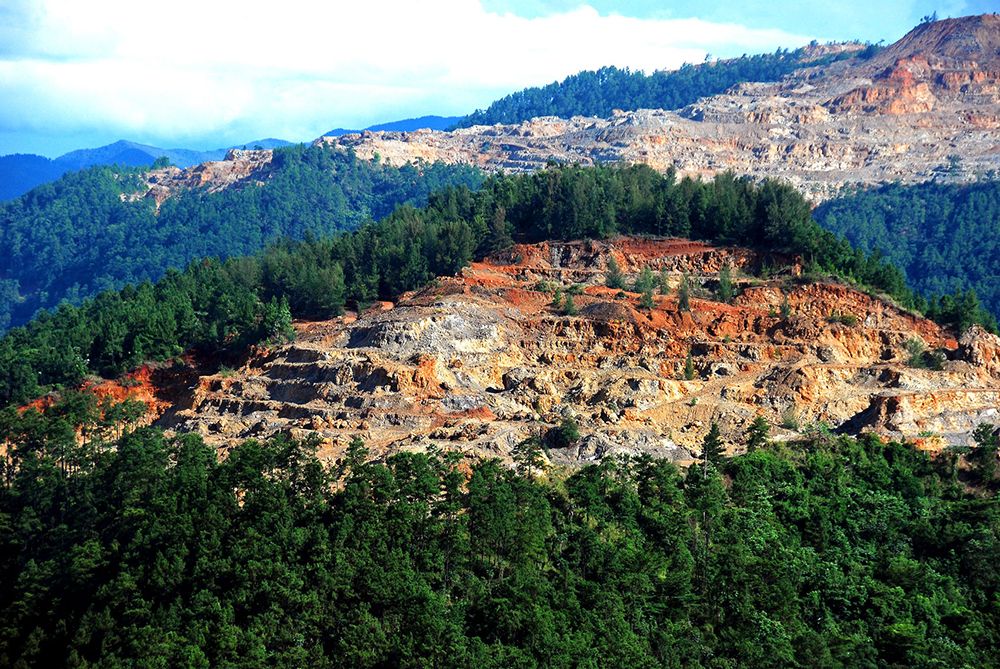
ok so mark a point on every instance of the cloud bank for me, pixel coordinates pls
(210, 72)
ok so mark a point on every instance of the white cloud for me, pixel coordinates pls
(239, 69)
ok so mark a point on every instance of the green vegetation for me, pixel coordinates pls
(646, 300)
(943, 237)
(689, 372)
(684, 294)
(214, 306)
(758, 434)
(726, 290)
(76, 237)
(615, 279)
(711, 447)
(600, 92)
(136, 550)
(919, 357)
(850, 320)
(569, 307)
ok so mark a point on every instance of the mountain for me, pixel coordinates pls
(926, 106)
(19, 173)
(104, 228)
(601, 92)
(405, 125)
(549, 432)
(132, 154)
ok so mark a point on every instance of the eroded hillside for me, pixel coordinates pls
(481, 361)
(929, 105)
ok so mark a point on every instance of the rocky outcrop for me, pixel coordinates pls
(239, 166)
(482, 361)
(927, 106)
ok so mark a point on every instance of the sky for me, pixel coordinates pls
(211, 73)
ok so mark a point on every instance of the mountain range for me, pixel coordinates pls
(21, 172)
(606, 390)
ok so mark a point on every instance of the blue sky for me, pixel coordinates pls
(204, 74)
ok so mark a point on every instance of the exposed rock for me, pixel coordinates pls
(480, 362)
(240, 166)
(929, 105)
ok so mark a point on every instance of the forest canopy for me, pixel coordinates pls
(214, 306)
(945, 238)
(82, 234)
(138, 550)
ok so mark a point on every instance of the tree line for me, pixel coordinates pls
(600, 92)
(131, 549)
(83, 234)
(215, 306)
(942, 236)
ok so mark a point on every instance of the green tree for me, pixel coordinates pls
(689, 371)
(615, 279)
(786, 308)
(758, 434)
(726, 291)
(646, 300)
(565, 434)
(987, 441)
(684, 295)
(529, 456)
(569, 307)
(645, 282)
(711, 447)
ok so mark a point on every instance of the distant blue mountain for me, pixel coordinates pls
(406, 125)
(21, 172)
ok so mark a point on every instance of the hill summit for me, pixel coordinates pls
(531, 337)
(926, 106)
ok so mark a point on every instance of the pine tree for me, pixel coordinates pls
(711, 447)
(689, 367)
(987, 442)
(615, 279)
(684, 295)
(529, 457)
(557, 299)
(758, 434)
(645, 282)
(786, 308)
(726, 291)
(569, 307)
(499, 236)
(646, 299)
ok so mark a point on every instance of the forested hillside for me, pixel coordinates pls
(944, 237)
(213, 306)
(828, 552)
(78, 236)
(598, 93)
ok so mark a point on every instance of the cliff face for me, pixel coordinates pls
(481, 361)
(927, 105)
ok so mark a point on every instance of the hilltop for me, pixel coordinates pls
(19, 173)
(927, 106)
(482, 361)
